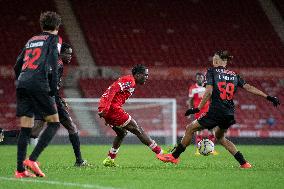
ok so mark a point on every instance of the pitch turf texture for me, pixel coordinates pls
(140, 169)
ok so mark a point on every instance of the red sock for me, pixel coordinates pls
(198, 138)
(155, 148)
(112, 153)
(212, 138)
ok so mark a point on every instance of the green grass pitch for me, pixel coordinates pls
(140, 169)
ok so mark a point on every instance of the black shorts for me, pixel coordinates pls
(31, 102)
(62, 113)
(211, 120)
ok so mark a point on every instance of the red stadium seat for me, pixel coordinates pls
(182, 33)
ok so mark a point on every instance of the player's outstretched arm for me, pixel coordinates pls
(258, 92)
(206, 97)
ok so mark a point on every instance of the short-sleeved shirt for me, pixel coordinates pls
(33, 65)
(225, 84)
(116, 95)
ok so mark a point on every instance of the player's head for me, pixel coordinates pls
(66, 53)
(199, 78)
(221, 58)
(140, 74)
(50, 21)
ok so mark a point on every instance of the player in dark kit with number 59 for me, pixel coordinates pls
(221, 85)
(36, 72)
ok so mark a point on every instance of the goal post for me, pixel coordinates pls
(157, 116)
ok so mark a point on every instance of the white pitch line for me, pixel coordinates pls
(57, 183)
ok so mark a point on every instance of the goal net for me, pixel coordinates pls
(157, 116)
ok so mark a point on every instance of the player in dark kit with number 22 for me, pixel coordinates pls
(36, 88)
(221, 85)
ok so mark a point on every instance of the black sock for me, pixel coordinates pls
(178, 150)
(74, 139)
(240, 158)
(44, 140)
(23, 141)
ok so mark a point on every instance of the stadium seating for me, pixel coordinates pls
(20, 24)
(178, 33)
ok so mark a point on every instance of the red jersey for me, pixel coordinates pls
(116, 94)
(196, 92)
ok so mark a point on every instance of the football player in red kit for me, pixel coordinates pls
(110, 108)
(196, 92)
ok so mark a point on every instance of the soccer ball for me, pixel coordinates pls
(205, 147)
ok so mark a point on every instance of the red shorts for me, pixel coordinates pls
(117, 117)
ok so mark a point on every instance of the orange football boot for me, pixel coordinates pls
(167, 158)
(33, 165)
(247, 165)
(24, 174)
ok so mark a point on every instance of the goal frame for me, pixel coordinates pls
(141, 100)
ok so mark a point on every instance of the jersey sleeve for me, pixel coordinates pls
(19, 63)
(125, 85)
(52, 59)
(209, 77)
(108, 96)
(241, 81)
(190, 92)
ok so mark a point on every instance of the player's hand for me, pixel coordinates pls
(101, 114)
(274, 100)
(191, 111)
(1, 136)
(64, 103)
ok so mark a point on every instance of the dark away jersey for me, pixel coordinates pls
(39, 56)
(225, 84)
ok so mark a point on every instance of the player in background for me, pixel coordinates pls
(110, 108)
(196, 92)
(221, 85)
(62, 108)
(1, 135)
(35, 91)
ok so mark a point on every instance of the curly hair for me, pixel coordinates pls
(138, 69)
(49, 21)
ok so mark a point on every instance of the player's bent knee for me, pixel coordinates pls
(70, 126)
(122, 134)
(191, 128)
(27, 122)
(52, 118)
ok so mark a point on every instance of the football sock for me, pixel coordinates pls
(178, 150)
(74, 139)
(240, 158)
(112, 153)
(44, 140)
(198, 138)
(211, 137)
(23, 141)
(155, 148)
